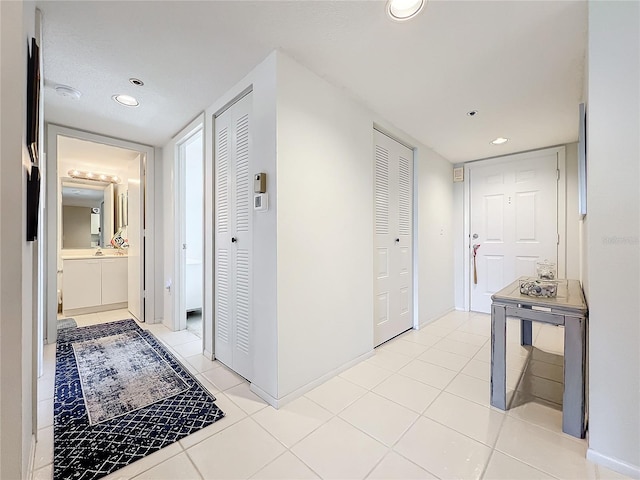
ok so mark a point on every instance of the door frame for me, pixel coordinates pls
(179, 268)
(147, 159)
(560, 151)
(415, 317)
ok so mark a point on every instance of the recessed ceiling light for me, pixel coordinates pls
(472, 113)
(136, 81)
(68, 92)
(499, 141)
(126, 100)
(404, 9)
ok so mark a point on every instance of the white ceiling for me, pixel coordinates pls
(519, 63)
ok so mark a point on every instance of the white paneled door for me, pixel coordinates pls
(393, 255)
(135, 234)
(514, 222)
(233, 201)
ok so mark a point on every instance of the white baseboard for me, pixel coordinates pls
(434, 318)
(279, 402)
(208, 355)
(614, 464)
(96, 309)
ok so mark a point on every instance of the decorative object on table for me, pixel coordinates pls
(476, 246)
(546, 270)
(535, 287)
(119, 240)
(119, 396)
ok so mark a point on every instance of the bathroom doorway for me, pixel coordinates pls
(97, 253)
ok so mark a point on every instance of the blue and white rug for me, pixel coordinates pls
(119, 396)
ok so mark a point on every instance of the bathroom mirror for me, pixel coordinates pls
(87, 214)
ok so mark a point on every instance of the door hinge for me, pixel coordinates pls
(558, 173)
(558, 239)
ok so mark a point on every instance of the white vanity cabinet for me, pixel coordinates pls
(114, 280)
(93, 284)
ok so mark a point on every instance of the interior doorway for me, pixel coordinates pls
(190, 220)
(83, 272)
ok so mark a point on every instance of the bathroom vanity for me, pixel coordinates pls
(92, 283)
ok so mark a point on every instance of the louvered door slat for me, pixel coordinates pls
(404, 197)
(243, 200)
(223, 297)
(242, 301)
(222, 181)
(382, 190)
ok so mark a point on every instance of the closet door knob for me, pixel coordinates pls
(234, 239)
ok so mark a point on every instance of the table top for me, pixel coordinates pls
(570, 297)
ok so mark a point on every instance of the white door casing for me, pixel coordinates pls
(514, 219)
(393, 252)
(233, 237)
(53, 237)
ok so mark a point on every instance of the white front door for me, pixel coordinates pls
(233, 210)
(514, 220)
(393, 242)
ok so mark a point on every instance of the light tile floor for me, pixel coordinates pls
(417, 409)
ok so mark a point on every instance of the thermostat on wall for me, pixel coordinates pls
(260, 202)
(458, 174)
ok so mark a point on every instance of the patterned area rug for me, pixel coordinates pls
(138, 396)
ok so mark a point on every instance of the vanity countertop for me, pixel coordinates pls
(87, 256)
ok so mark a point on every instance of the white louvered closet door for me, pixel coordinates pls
(393, 249)
(233, 200)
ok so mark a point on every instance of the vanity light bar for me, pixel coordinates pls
(98, 177)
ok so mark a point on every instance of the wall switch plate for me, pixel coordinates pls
(260, 202)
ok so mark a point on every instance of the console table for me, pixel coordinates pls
(568, 309)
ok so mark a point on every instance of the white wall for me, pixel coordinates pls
(613, 233)
(436, 223)
(17, 24)
(325, 228)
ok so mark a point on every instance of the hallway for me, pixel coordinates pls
(418, 408)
